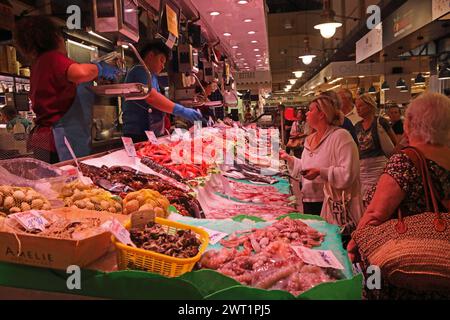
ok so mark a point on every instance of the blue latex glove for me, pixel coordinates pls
(106, 71)
(186, 113)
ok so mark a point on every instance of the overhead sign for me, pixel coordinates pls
(410, 17)
(440, 8)
(370, 44)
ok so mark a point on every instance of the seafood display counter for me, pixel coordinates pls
(190, 229)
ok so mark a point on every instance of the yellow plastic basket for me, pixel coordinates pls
(145, 260)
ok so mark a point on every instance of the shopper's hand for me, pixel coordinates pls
(106, 71)
(289, 159)
(312, 173)
(186, 113)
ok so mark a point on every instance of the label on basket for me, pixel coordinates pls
(214, 236)
(141, 218)
(321, 258)
(129, 146)
(151, 137)
(119, 231)
(30, 220)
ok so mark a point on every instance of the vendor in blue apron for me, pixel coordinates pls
(146, 115)
(58, 92)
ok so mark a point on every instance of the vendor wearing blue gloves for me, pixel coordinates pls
(142, 115)
(58, 92)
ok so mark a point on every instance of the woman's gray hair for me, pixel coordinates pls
(428, 119)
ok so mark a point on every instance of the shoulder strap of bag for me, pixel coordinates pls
(420, 163)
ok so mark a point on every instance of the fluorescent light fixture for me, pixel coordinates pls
(235, 47)
(98, 36)
(214, 13)
(239, 54)
(259, 60)
(254, 41)
(81, 45)
(256, 50)
(242, 2)
(227, 34)
(257, 55)
(335, 80)
(248, 20)
(251, 32)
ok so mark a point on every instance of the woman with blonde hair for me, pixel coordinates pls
(329, 160)
(371, 154)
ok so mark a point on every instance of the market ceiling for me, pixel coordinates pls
(240, 26)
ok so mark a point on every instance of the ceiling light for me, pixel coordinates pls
(254, 41)
(286, 89)
(235, 47)
(372, 89)
(227, 34)
(256, 49)
(245, 64)
(400, 83)
(242, 59)
(125, 46)
(292, 81)
(242, 2)
(419, 79)
(361, 77)
(307, 57)
(214, 13)
(248, 20)
(385, 86)
(327, 25)
(257, 55)
(251, 32)
(444, 73)
(298, 74)
(327, 30)
(289, 86)
(239, 54)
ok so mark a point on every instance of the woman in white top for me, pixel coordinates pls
(330, 157)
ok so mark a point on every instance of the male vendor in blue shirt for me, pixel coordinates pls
(141, 115)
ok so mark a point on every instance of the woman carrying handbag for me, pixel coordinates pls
(406, 228)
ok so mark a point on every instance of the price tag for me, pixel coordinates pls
(83, 179)
(140, 219)
(119, 231)
(321, 258)
(30, 220)
(129, 146)
(214, 236)
(151, 137)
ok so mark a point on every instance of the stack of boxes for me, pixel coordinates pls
(8, 60)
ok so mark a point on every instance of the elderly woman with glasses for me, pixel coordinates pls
(330, 159)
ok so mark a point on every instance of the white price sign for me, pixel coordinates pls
(214, 236)
(152, 137)
(30, 220)
(129, 146)
(321, 258)
(119, 231)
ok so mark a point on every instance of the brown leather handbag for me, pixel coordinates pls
(412, 252)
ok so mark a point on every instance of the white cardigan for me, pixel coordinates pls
(338, 160)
